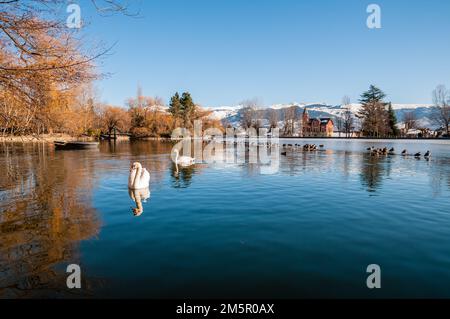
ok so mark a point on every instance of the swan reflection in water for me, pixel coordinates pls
(182, 176)
(139, 196)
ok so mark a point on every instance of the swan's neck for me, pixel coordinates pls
(132, 178)
(137, 178)
(176, 158)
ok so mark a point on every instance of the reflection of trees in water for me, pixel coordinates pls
(293, 163)
(153, 155)
(136, 148)
(299, 160)
(440, 174)
(372, 170)
(347, 164)
(447, 173)
(44, 214)
(12, 158)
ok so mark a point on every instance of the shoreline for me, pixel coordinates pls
(369, 138)
(65, 137)
(38, 139)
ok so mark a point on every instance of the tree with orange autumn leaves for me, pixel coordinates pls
(46, 76)
(45, 68)
(149, 117)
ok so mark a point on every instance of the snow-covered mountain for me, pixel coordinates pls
(231, 114)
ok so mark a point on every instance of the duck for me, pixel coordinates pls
(283, 153)
(417, 154)
(309, 147)
(139, 177)
(404, 153)
(391, 151)
(427, 154)
(183, 160)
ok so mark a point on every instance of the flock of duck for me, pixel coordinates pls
(385, 151)
(306, 147)
(372, 150)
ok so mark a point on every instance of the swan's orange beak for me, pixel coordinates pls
(136, 212)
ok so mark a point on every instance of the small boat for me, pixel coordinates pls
(108, 137)
(62, 145)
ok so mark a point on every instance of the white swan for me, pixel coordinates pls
(139, 177)
(183, 160)
(139, 196)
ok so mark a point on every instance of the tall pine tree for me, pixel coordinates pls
(392, 119)
(373, 112)
(188, 109)
(175, 107)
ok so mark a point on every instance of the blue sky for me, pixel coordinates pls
(225, 51)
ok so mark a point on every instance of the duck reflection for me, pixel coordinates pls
(138, 196)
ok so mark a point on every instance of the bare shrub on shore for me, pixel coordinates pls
(441, 100)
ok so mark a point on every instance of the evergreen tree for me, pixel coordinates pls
(175, 106)
(392, 118)
(374, 94)
(188, 109)
(373, 112)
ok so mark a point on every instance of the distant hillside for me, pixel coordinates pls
(232, 114)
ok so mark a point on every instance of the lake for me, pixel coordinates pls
(226, 230)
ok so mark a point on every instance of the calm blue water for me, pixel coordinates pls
(217, 230)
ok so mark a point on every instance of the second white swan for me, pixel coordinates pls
(183, 160)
